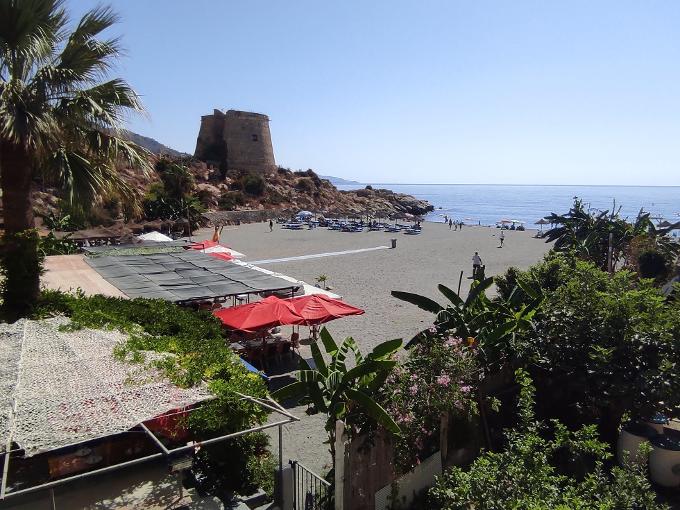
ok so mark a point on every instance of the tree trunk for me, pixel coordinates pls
(21, 264)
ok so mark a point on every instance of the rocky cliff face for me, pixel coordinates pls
(282, 192)
(305, 190)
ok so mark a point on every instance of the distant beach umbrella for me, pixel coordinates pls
(542, 221)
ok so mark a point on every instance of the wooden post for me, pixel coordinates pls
(460, 281)
(339, 464)
(444, 437)
(610, 254)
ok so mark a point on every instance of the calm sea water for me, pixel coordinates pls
(489, 203)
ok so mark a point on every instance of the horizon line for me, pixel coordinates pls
(506, 184)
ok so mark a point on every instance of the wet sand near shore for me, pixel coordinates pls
(365, 279)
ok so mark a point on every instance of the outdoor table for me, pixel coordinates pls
(235, 346)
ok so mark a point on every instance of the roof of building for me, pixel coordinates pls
(185, 276)
(64, 387)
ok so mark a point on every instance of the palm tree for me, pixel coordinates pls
(59, 120)
(587, 234)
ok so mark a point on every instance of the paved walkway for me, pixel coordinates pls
(315, 256)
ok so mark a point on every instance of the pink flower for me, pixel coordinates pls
(432, 330)
(413, 389)
(465, 389)
(443, 380)
(453, 342)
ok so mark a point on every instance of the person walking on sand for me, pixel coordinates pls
(476, 264)
(271, 225)
(450, 223)
(502, 238)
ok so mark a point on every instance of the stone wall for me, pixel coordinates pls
(241, 140)
(233, 217)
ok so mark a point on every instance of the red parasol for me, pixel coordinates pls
(222, 255)
(319, 308)
(269, 312)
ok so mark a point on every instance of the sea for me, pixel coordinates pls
(487, 204)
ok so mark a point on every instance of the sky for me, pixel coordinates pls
(520, 92)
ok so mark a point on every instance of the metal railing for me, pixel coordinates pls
(310, 491)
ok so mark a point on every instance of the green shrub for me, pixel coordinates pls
(50, 245)
(604, 345)
(527, 474)
(652, 264)
(305, 185)
(230, 200)
(253, 184)
(21, 264)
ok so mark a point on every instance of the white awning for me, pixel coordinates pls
(63, 387)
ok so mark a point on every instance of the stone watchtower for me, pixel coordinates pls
(240, 139)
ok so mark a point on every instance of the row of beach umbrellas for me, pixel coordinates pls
(310, 310)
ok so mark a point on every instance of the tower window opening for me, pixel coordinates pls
(254, 138)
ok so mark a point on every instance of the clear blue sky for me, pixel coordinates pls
(542, 92)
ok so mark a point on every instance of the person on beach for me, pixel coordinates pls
(271, 225)
(502, 238)
(476, 264)
(460, 225)
(450, 223)
(217, 233)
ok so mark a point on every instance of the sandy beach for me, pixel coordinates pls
(365, 279)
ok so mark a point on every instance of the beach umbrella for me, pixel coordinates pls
(269, 312)
(209, 246)
(542, 222)
(221, 255)
(319, 308)
(155, 236)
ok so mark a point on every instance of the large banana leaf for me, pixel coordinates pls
(340, 356)
(452, 296)
(385, 349)
(421, 302)
(368, 367)
(328, 342)
(318, 360)
(477, 290)
(296, 389)
(374, 410)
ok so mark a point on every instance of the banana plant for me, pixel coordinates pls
(340, 392)
(491, 323)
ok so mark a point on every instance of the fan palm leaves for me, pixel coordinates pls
(60, 116)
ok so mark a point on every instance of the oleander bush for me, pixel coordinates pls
(439, 377)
